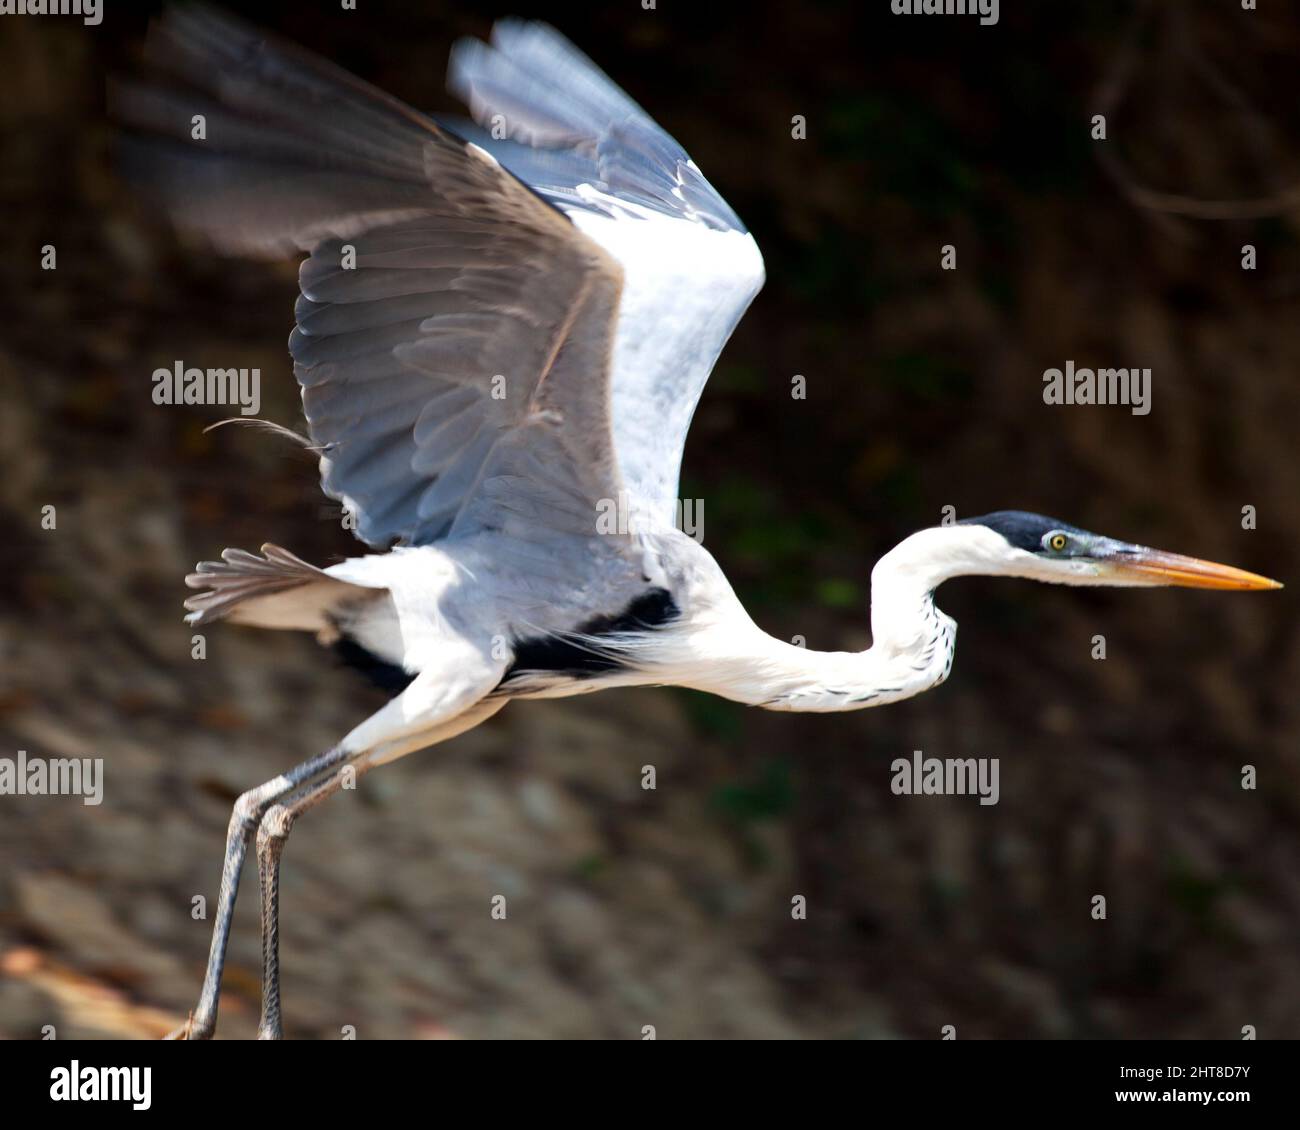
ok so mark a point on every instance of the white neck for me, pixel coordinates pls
(912, 641)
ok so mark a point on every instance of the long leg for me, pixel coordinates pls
(271, 834)
(278, 821)
(244, 819)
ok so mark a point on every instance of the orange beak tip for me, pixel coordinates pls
(1190, 572)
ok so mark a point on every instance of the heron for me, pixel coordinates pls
(503, 324)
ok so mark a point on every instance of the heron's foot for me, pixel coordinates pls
(191, 1030)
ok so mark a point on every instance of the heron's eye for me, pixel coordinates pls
(1057, 542)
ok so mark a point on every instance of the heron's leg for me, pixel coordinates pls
(372, 750)
(271, 834)
(243, 823)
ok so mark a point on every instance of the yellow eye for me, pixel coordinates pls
(1057, 542)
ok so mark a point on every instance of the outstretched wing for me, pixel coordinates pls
(690, 268)
(454, 330)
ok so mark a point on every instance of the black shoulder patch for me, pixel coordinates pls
(650, 610)
(1021, 528)
(560, 656)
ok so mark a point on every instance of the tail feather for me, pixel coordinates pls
(276, 590)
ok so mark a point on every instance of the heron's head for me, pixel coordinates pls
(1017, 544)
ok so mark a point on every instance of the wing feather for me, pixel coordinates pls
(690, 269)
(458, 338)
(450, 323)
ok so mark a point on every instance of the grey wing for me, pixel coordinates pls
(690, 268)
(454, 330)
(453, 353)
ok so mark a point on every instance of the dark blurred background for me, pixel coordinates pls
(1119, 776)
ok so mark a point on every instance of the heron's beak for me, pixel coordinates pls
(1136, 564)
